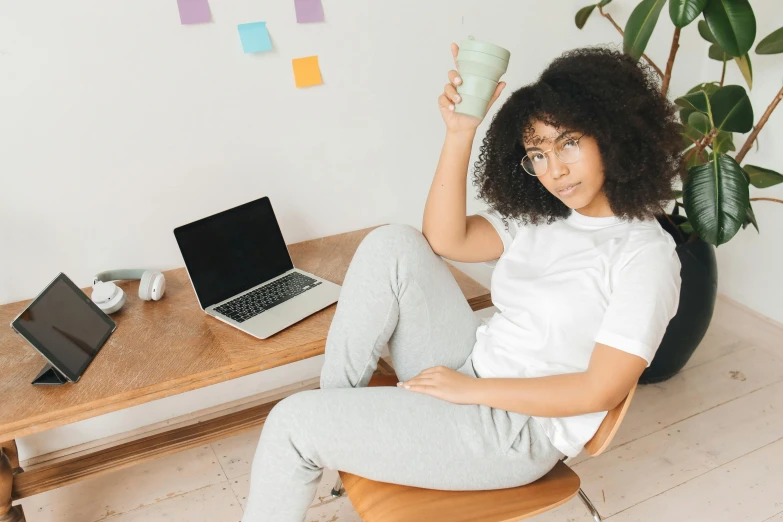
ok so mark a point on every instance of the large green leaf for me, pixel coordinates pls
(772, 43)
(716, 199)
(582, 15)
(699, 122)
(708, 87)
(683, 12)
(731, 109)
(689, 134)
(697, 101)
(746, 68)
(733, 24)
(750, 219)
(723, 142)
(716, 52)
(685, 114)
(602, 3)
(704, 31)
(640, 26)
(761, 177)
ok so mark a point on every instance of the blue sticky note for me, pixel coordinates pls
(254, 37)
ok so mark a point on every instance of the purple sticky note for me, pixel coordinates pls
(308, 11)
(194, 11)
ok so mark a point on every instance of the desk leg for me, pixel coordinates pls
(9, 463)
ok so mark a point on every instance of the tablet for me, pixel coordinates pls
(65, 326)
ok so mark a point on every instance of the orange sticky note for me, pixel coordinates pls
(306, 71)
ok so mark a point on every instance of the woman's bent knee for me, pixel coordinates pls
(288, 412)
(396, 237)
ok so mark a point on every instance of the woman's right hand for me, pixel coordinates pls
(450, 98)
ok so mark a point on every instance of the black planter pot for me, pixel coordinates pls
(697, 303)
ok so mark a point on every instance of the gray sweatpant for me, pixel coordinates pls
(396, 290)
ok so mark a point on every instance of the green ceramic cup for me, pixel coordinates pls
(480, 65)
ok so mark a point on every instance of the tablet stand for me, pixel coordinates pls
(49, 375)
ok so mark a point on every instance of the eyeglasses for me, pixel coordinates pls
(566, 148)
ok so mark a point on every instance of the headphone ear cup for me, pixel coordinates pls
(145, 285)
(116, 304)
(152, 285)
(108, 296)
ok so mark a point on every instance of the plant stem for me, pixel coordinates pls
(707, 140)
(609, 17)
(690, 154)
(723, 74)
(669, 64)
(701, 145)
(749, 142)
(767, 199)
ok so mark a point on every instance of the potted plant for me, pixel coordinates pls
(715, 193)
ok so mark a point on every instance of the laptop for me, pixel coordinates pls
(242, 272)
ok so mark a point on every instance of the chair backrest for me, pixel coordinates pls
(609, 426)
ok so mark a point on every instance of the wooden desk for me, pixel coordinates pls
(159, 349)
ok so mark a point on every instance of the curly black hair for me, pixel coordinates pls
(607, 95)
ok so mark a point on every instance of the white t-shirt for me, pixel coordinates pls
(561, 288)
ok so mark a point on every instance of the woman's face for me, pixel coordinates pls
(579, 185)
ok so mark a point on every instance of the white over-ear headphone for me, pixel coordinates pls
(110, 297)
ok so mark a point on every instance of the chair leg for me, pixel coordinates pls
(337, 489)
(590, 506)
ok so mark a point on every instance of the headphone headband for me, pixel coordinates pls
(116, 275)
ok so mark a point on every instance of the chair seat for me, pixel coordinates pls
(384, 502)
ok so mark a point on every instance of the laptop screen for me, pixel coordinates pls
(233, 251)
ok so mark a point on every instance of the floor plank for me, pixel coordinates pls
(235, 454)
(208, 504)
(693, 391)
(748, 488)
(697, 390)
(749, 326)
(630, 474)
(127, 489)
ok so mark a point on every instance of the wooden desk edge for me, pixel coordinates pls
(32, 425)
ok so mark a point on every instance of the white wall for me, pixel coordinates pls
(118, 124)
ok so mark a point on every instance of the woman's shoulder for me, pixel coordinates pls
(646, 242)
(649, 232)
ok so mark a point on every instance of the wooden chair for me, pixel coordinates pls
(383, 502)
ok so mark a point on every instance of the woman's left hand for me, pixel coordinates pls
(444, 383)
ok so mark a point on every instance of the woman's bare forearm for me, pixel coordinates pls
(444, 221)
(551, 396)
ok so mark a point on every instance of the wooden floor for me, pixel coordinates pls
(707, 445)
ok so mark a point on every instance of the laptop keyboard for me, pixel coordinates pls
(262, 299)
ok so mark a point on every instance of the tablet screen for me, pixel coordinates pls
(65, 326)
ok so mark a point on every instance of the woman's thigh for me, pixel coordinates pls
(395, 435)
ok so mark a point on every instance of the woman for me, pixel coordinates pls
(585, 285)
